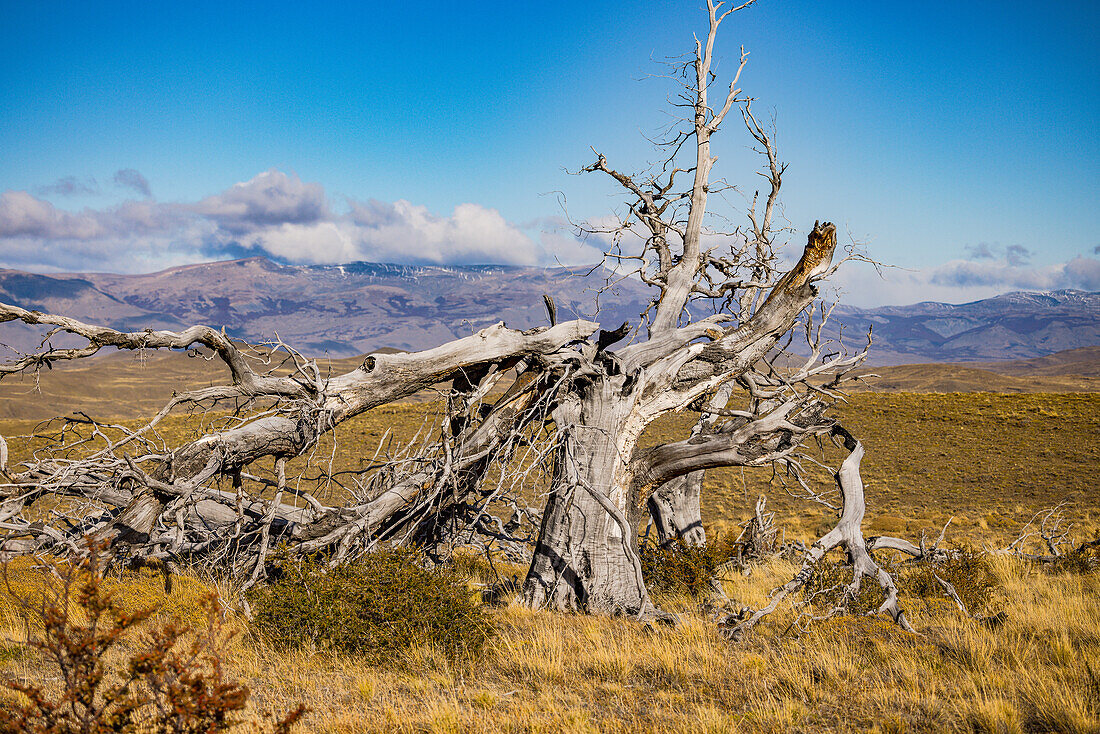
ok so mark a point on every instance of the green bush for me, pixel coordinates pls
(968, 571)
(379, 605)
(685, 569)
(827, 589)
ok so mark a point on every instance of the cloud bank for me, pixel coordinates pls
(988, 270)
(277, 215)
(274, 214)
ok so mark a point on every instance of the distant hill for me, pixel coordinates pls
(118, 384)
(1073, 370)
(1010, 326)
(964, 378)
(341, 311)
(1082, 362)
(347, 310)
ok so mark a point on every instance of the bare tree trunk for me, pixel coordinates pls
(582, 560)
(674, 507)
(848, 533)
(602, 413)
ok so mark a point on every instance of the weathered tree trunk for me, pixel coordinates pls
(166, 505)
(612, 398)
(675, 510)
(582, 560)
(674, 506)
(848, 533)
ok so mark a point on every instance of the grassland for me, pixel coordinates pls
(989, 460)
(545, 672)
(125, 384)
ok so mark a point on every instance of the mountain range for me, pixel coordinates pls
(346, 310)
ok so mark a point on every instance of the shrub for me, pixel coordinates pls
(174, 681)
(379, 605)
(967, 570)
(1081, 560)
(827, 589)
(685, 569)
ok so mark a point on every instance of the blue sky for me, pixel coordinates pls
(958, 141)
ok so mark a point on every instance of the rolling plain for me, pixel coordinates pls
(987, 449)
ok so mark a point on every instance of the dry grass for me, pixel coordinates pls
(547, 672)
(22, 579)
(552, 672)
(991, 460)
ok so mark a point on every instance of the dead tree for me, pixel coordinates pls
(160, 502)
(565, 396)
(610, 397)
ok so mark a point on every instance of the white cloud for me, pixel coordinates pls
(22, 215)
(313, 244)
(274, 214)
(270, 199)
(1011, 273)
(1083, 272)
(280, 216)
(961, 281)
(407, 232)
(564, 249)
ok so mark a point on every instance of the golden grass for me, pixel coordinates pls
(551, 672)
(27, 580)
(548, 672)
(990, 460)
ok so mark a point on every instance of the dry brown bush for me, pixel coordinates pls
(173, 680)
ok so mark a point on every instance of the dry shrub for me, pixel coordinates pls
(173, 680)
(1081, 560)
(380, 605)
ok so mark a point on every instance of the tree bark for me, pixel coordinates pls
(675, 510)
(581, 560)
(674, 506)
